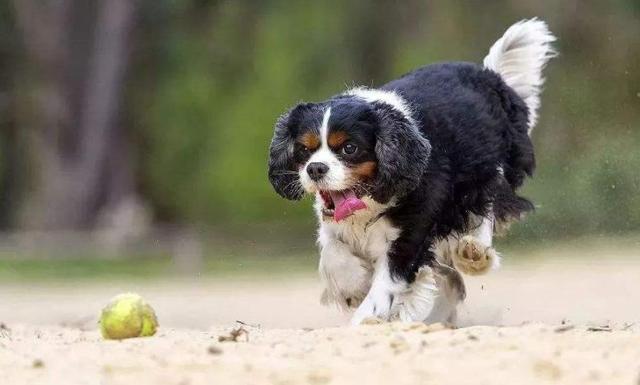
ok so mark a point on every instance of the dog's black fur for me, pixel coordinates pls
(463, 151)
(476, 125)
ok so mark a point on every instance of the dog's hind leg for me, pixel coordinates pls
(473, 253)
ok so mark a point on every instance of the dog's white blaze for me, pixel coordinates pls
(324, 129)
(519, 56)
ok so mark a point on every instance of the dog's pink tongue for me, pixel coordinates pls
(346, 203)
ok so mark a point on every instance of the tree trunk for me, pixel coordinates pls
(79, 51)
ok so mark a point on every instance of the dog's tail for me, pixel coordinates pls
(519, 56)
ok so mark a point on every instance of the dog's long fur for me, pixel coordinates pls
(451, 146)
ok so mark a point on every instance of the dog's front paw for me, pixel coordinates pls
(377, 304)
(474, 258)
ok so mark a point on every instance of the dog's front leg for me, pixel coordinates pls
(345, 276)
(384, 288)
(394, 273)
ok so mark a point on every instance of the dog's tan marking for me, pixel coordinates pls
(337, 139)
(365, 170)
(310, 140)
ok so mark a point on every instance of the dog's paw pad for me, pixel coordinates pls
(473, 257)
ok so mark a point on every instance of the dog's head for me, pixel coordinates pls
(362, 143)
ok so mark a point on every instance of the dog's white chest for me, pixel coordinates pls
(368, 241)
(367, 234)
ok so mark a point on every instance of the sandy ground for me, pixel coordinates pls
(384, 354)
(531, 323)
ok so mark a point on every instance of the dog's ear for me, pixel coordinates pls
(283, 173)
(402, 154)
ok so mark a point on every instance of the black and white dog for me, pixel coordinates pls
(412, 179)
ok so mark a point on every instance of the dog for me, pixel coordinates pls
(412, 179)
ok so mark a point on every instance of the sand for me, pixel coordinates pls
(378, 354)
(532, 323)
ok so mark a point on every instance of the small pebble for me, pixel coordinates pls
(38, 363)
(214, 350)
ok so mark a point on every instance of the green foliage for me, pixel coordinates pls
(210, 117)
(594, 193)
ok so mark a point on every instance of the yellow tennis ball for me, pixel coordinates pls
(127, 316)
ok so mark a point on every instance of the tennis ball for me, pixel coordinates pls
(127, 316)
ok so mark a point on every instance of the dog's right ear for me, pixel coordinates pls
(283, 172)
(402, 154)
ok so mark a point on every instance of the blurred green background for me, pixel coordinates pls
(129, 115)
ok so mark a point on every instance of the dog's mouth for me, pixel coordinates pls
(341, 204)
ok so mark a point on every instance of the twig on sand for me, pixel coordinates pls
(5, 332)
(603, 328)
(628, 325)
(257, 326)
(235, 335)
(564, 328)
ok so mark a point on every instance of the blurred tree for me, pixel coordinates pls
(189, 128)
(77, 51)
(9, 153)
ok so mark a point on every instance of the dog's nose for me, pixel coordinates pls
(317, 170)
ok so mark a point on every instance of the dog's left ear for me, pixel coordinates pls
(402, 152)
(282, 174)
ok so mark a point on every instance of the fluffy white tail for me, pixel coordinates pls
(519, 56)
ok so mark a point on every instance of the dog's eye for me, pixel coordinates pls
(349, 149)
